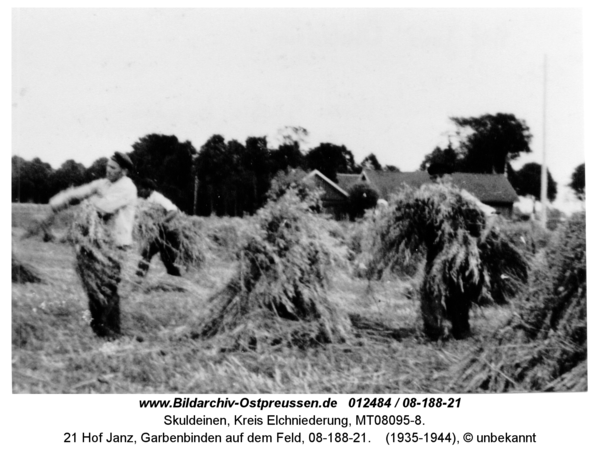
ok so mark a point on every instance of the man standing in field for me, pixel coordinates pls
(99, 262)
(167, 241)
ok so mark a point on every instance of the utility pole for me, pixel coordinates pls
(544, 188)
(194, 212)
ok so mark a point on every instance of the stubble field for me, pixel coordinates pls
(55, 351)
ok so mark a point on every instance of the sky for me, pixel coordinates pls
(87, 82)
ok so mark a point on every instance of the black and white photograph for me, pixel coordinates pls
(298, 201)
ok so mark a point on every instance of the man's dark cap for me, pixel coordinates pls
(148, 183)
(123, 160)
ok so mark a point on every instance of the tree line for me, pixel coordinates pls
(36, 181)
(227, 177)
(223, 177)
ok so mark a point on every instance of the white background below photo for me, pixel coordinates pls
(544, 423)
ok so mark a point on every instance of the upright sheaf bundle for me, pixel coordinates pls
(279, 291)
(446, 226)
(505, 264)
(544, 346)
(97, 262)
(190, 244)
(366, 249)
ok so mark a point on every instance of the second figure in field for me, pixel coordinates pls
(167, 241)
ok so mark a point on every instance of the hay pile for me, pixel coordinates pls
(278, 294)
(41, 227)
(224, 236)
(365, 247)
(95, 261)
(544, 346)
(23, 273)
(505, 265)
(98, 265)
(191, 250)
(465, 259)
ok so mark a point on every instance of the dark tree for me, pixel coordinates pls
(362, 197)
(441, 161)
(528, 181)
(169, 163)
(489, 142)
(96, 170)
(213, 165)
(233, 184)
(487, 145)
(31, 180)
(257, 172)
(18, 173)
(223, 179)
(371, 163)
(71, 173)
(234, 179)
(391, 168)
(330, 159)
(578, 181)
(287, 156)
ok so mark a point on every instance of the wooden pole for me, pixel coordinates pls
(194, 210)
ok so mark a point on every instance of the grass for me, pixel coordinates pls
(55, 351)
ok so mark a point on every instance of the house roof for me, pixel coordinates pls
(488, 188)
(316, 174)
(347, 180)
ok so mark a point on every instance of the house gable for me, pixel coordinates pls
(333, 192)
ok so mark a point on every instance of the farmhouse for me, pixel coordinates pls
(491, 189)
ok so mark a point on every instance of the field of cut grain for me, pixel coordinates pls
(55, 351)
